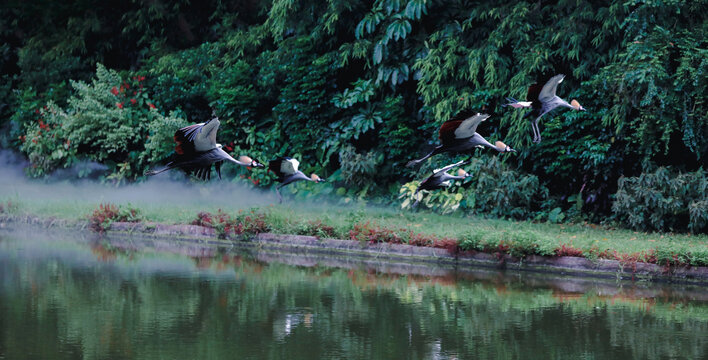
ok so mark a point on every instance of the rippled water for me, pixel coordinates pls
(65, 296)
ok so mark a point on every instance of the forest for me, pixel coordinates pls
(356, 89)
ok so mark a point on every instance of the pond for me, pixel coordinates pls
(68, 295)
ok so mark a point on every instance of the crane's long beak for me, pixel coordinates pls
(257, 164)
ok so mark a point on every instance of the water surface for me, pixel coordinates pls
(67, 296)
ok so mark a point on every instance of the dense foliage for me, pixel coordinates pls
(660, 200)
(354, 89)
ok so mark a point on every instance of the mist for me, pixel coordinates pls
(162, 189)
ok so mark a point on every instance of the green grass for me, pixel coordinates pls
(473, 233)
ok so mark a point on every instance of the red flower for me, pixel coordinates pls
(135, 93)
(114, 91)
(119, 105)
(34, 141)
(36, 111)
(141, 78)
(152, 106)
(126, 85)
(132, 101)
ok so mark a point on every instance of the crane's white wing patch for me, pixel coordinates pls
(468, 126)
(289, 166)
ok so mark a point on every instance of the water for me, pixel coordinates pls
(65, 296)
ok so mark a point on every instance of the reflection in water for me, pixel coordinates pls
(114, 299)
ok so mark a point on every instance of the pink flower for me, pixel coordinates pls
(152, 106)
(114, 91)
(132, 101)
(119, 105)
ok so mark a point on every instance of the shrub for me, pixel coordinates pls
(358, 170)
(662, 200)
(109, 120)
(492, 189)
(320, 229)
(179, 81)
(103, 216)
(371, 233)
(9, 207)
(47, 141)
(244, 224)
(568, 250)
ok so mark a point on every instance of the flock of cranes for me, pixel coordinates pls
(197, 149)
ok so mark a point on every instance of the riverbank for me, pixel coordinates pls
(201, 238)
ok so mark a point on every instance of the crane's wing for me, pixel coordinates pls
(548, 91)
(283, 166)
(197, 137)
(468, 127)
(448, 167)
(184, 138)
(289, 166)
(533, 92)
(447, 129)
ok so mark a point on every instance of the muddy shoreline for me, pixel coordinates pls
(201, 238)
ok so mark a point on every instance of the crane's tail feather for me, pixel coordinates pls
(511, 101)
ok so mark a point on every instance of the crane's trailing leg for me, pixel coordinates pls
(277, 191)
(536, 131)
(169, 166)
(418, 161)
(217, 166)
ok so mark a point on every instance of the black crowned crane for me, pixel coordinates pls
(197, 150)
(460, 136)
(285, 168)
(543, 100)
(440, 179)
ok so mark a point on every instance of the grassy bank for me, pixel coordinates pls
(367, 224)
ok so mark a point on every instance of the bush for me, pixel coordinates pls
(242, 225)
(662, 200)
(358, 170)
(492, 189)
(103, 216)
(109, 120)
(47, 141)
